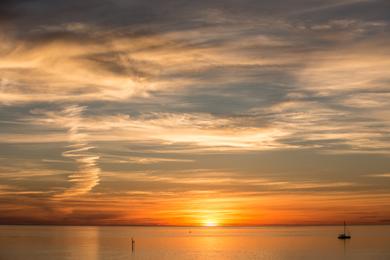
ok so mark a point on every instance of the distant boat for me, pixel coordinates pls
(344, 235)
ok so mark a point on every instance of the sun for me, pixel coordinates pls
(210, 223)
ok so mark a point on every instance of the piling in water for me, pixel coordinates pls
(132, 244)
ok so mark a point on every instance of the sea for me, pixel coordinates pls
(182, 243)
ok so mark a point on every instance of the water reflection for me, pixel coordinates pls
(99, 243)
(45, 242)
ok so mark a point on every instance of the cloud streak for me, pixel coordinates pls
(87, 175)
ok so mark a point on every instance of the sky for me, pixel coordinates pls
(117, 112)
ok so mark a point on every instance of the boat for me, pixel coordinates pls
(344, 235)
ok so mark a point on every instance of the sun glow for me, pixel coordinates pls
(210, 223)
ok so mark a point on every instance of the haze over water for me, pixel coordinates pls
(182, 243)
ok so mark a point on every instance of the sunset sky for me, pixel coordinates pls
(129, 112)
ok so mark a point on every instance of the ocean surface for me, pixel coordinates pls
(179, 243)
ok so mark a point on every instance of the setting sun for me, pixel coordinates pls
(210, 223)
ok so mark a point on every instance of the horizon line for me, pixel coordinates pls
(199, 226)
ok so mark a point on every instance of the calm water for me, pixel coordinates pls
(92, 243)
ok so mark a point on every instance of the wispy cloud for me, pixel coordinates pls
(87, 175)
(199, 130)
(382, 175)
(141, 160)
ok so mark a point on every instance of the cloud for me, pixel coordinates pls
(302, 123)
(57, 71)
(333, 5)
(351, 69)
(141, 160)
(87, 175)
(224, 72)
(383, 175)
(223, 182)
(195, 129)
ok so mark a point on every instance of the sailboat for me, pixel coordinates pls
(344, 235)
